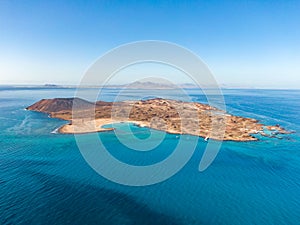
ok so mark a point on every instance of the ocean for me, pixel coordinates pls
(45, 180)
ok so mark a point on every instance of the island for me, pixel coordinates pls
(172, 116)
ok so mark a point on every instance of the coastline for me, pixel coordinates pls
(171, 116)
(90, 126)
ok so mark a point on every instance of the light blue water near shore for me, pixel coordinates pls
(45, 180)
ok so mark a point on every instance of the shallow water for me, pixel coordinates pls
(45, 180)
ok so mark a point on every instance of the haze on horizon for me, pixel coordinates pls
(244, 43)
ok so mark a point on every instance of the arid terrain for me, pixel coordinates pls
(167, 115)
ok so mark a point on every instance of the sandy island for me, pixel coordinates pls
(172, 116)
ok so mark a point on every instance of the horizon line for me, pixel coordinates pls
(115, 86)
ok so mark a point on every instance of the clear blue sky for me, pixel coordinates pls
(245, 43)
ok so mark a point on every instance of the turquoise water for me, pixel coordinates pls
(45, 180)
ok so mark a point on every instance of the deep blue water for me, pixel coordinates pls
(45, 180)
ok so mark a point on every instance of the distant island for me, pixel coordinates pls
(151, 85)
(158, 113)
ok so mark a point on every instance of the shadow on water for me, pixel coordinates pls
(58, 201)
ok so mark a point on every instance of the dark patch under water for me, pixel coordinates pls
(61, 201)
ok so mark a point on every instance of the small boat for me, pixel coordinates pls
(206, 139)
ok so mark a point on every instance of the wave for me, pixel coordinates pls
(55, 131)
